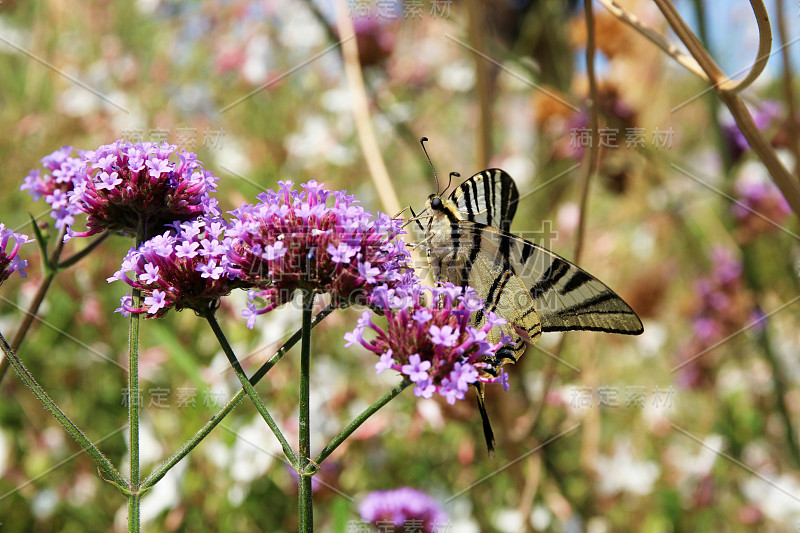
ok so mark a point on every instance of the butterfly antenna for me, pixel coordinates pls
(422, 142)
(450, 181)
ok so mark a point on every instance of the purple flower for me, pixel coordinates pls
(416, 370)
(767, 113)
(422, 316)
(64, 173)
(722, 307)
(172, 274)
(444, 335)
(313, 239)
(443, 353)
(108, 181)
(760, 206)
(368, 272)
(342, 253)
(386, 362)
(128, 182)
(10, 262)
(155, 302)
(405, 509)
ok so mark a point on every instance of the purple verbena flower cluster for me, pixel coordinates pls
(126, 182)
(10, 262)
(761, 207)
(765, 115)
(185, 267)
(432, 342)
(722, 307)
(292, 239)
(63, 173)
(403, 509)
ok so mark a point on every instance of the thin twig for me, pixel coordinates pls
(483, 82)
(591, 422)
(788, 89)
(656, 38)
(358, 96)
(591, 168)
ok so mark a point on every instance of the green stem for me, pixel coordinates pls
(189, 445)
(74, 258)
(134, 498)
(134, 504)
(710, 99)
(108, 469)
(304, 469)
(248, 387)
(360, 419)
(50, 271)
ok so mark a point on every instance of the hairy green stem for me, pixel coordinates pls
(304, 468)
(360, 419)
(189, 445)
(50, 271)
(134, 496)
(106, 467)
(248, 387)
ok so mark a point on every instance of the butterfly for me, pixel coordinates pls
(469, 242)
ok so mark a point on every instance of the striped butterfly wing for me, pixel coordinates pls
(469, 257)
(489, 197)
(534, 289)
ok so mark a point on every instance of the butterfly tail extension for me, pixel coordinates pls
(487, 426)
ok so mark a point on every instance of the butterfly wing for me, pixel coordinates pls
(466, 254)
(534, 289)
(489, 197)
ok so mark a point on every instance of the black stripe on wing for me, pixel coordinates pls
(489, 197)
(565, 296)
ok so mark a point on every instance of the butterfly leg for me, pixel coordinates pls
(487, 426)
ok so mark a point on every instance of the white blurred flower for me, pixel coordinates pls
(44, 503)
(691, 465)
(165, 494)
(508, 520)
(778, 497)
(568, 217)
(315, 142)
(300, 29)
(258, 60)
(541, 517)
(457, 76)
(623, 473)
(652, 341)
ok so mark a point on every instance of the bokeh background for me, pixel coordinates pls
(690, 427)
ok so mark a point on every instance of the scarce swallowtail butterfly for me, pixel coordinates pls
(533, 289)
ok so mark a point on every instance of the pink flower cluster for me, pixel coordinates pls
(185, 267)
(63, 173)
(10, 262)
(292, 239)
(430, 340)
(403, 509)
(127, 182)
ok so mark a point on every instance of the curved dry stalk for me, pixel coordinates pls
(700, 64)
(727, 89)
(721, 82)
(656, 38)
